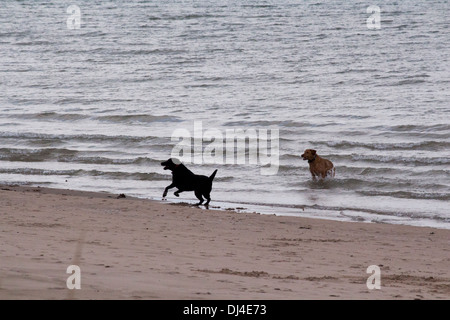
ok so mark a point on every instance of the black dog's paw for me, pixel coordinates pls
(176, 194)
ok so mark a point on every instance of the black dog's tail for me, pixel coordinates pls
(211, 178)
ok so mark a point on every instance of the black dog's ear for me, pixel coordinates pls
(313, 152)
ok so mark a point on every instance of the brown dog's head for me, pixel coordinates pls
(309, 154)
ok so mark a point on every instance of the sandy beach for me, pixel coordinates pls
(130, 248)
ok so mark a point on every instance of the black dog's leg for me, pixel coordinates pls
(167, 189)
(198, 194)
(177, 193)
(208, 199)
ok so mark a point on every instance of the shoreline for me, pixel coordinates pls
(313, 211)
(130, 248)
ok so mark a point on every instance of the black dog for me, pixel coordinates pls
(185, 180)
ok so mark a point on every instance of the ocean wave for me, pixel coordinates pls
(381, 212)
(347, 184)
(401, 83)
(116, 175)
(100, 138)
(422, 145)
(395, 159)
(267, 123)
(144, 118)
(408, 194)
(187, 16)
(49, 116)
(104, 160)
(381, 183)
(357, 70)
(68, 155)
(414, 128)
(34, 155)
(372, 171)
(33, 43)
(356, 208)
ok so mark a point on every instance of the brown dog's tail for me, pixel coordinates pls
(211, 177)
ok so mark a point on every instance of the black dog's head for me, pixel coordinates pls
(171, 164)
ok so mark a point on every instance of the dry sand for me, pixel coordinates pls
(141, 249)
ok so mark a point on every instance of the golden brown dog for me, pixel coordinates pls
(318, 166)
